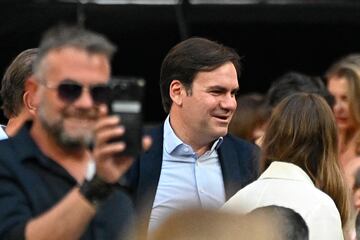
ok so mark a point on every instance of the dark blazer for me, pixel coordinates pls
(238, 159)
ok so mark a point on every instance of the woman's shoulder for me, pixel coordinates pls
(243, 200)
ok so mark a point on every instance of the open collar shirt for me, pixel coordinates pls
(186, 179)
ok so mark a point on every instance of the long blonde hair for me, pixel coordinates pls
(348, 68)
(302, 131)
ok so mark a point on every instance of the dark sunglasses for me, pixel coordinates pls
(69, 91)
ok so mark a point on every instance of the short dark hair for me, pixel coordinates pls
(73, 36)
(295, 82)
(188, 58)
(12, 85)
(290, 223)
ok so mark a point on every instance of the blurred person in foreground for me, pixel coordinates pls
(199, 224)
(301, 167)
(193, 161)
(267, 223)
(16, 103)
(286, 224)
(59, 174)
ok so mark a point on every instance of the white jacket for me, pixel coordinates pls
(287, 185)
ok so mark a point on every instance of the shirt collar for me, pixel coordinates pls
(171, 141)
(174, 146)
(217, 144)
(24, 143)
(3, 134)
(285, 170)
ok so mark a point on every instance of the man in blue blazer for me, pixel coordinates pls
(193, 161)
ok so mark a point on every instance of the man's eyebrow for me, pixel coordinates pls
(221, 88)
(217, 87)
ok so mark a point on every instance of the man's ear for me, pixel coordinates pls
(30, 98)
(177, 91)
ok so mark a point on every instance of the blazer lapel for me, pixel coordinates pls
(230, 167)
(150, 168)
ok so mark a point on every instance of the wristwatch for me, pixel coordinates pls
(96, 190)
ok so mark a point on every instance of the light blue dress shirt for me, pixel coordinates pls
(3, 134)
(186, 180)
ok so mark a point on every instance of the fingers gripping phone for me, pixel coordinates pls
(126, 102)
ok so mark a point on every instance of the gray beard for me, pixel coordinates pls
(57, 132)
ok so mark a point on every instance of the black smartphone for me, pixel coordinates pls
(126, 102)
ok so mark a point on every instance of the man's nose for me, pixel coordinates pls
(85, 100)
(229, 102)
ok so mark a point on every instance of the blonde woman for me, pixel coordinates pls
(301, 168)
(343, 81)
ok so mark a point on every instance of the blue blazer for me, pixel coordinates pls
(239, 161)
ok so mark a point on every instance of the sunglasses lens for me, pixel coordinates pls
(69, 92)
(100, 94)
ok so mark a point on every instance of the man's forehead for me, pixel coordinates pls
(76, 64)
(74, 53)
(68, 56)
(213, 82)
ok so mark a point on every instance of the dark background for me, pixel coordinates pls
(305, 36)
